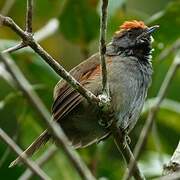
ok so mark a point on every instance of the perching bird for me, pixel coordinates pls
(128, 58)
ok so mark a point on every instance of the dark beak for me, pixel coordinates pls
(148, 31)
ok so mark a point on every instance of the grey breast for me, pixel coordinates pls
(129, 86)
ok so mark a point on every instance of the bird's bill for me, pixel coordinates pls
(148, 31)
(151, 29)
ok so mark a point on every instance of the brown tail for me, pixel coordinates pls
(42, 139)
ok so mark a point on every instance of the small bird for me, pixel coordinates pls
(129, 70)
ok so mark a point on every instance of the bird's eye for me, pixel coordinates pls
(130, 35)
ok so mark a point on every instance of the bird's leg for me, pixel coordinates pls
(126, 138)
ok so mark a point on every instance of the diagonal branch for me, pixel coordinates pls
(7, 152)
(47, 30)
(29, 40)
(32, 166)
(14, 48)
(38, 105)
(124, 148)
(40, 162)
(152, 113)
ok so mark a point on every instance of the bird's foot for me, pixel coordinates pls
(127, 140)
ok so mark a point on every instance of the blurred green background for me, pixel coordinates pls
(75, 39)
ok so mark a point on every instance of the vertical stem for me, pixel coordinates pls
(102, 46)
(29, 13)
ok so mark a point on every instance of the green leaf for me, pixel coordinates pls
(79, 22)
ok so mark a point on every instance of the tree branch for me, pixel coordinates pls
(47, 30)
(14, 48)
(29, 40)
(102, 101)
(56, 130)
(105, 97)
(123, 147)
(7, 152)
(40, 162)
(152, 114)
(102, 47)
(29, 13)
(33, 166)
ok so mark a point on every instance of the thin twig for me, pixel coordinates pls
(29, 40)
(102, 46)
(40, 162)
(14, 48)
(7, 151)
(124, 148)
(43, 33)
(38, 105)
(33, 166)
(29, 13)
(117, 134)
(152, 114)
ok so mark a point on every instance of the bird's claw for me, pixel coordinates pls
(127, 140)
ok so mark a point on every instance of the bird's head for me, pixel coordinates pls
(134, 33)
(134, 37)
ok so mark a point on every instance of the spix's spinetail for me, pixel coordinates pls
(128, 59)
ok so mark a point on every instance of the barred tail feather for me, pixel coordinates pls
(42, 139)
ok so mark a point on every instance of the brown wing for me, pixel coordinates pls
(65, 97)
